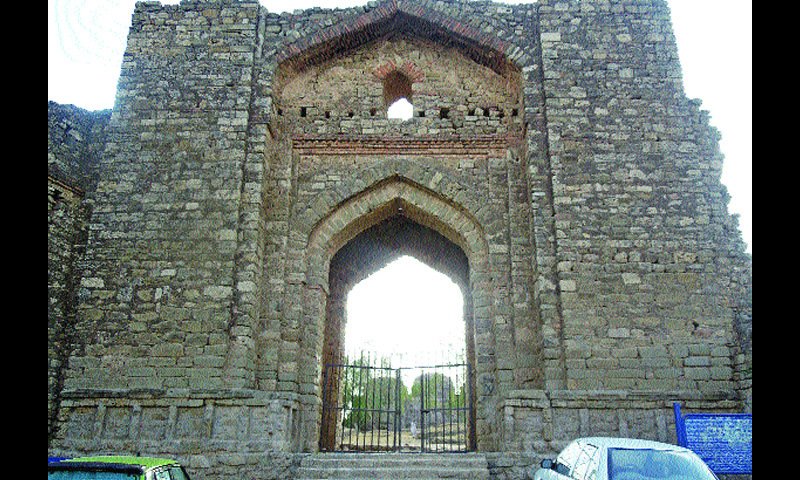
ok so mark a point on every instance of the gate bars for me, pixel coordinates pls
(444, 410)
(370, 408)
(359, 401)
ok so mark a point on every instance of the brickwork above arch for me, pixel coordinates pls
(451, 93)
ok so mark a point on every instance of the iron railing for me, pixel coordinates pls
(380, 408)
(444, 408)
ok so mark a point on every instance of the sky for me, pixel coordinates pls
(412, 323)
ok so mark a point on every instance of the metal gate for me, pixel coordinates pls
(380, 408)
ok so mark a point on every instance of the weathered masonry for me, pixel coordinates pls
(204, 233)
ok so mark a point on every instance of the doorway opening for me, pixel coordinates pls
(406, 312)
(398, 362)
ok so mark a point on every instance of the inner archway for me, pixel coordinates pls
(384, 243)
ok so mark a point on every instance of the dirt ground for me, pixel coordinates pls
(437, 439)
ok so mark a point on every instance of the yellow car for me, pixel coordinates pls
(116, 468)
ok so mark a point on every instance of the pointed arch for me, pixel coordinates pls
(396, 197)
(384, 199)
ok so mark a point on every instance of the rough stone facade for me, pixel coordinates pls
(248, 176)
(74, 142)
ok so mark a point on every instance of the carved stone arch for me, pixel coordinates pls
(382, 200)
(429, 179)
(392, 197)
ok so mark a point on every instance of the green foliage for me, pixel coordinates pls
(438, 388)
(369, 394)
(370, 389)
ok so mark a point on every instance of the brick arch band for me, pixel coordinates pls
(421, 18)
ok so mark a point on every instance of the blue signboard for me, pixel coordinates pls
(723, 440)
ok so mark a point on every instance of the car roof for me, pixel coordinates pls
(64, 466)
(617, 442)
(146, 462)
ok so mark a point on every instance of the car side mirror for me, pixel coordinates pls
(547, 464)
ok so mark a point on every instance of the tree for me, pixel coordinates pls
(435, 391)
(369, 394)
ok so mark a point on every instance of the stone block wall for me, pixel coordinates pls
(66, 224)
(161, 290)
(74, 144)
(645, 249)
(209, 431)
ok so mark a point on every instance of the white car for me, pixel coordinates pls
(604, 458)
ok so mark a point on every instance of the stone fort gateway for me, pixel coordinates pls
(203, 234)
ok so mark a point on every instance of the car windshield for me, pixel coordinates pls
(646, 464)
(78, 475)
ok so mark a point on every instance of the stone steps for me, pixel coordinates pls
(392, 466)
